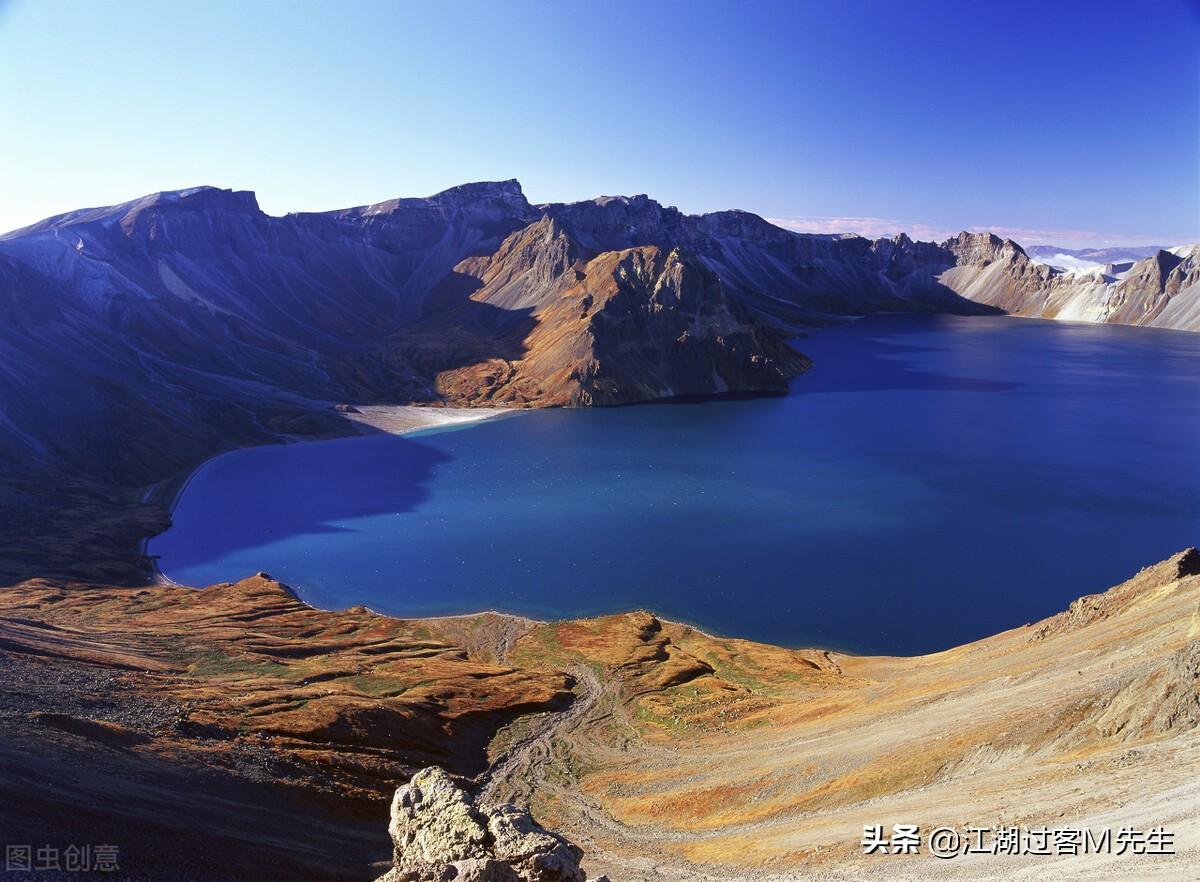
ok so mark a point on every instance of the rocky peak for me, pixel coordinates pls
(973, 240)
(1160, 273)
(613, 223)
(741, 225)
(893, 245)
(1163, 263)
(125, 214)
(197, 198)
(982, 248)
(527, 261)
(506, 192)
(144, 213)
(901, 254)
(459, 221)
(192, 199)
(506, 196)
(641, 199)
(439, 833)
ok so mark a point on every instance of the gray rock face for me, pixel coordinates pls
(439, 835)
(1161, 290)
(789, 279)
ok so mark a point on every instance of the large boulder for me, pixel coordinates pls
(440, 834)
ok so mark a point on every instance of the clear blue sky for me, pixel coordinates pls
(1074, 119)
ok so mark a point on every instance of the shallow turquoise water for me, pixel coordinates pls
(930, 481)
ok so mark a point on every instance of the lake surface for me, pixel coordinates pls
(930, 481)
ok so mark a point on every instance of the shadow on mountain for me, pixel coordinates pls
(106, 413)
(237, 821)
(455, 332)
(942, 298)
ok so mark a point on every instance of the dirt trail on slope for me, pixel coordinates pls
(524, 767)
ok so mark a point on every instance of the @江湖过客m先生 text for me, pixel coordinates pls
(951, 842)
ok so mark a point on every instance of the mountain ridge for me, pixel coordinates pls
(789, 279)
(136, 340)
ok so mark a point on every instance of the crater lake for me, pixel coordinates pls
(930, 480)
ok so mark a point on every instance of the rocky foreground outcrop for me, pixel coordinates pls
(440, 834)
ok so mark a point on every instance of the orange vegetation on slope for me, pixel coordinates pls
(679, 748)
(726, 752)
(365, 695)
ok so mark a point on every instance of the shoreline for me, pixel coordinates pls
(404, 419)
(409, 419)
(401, 419)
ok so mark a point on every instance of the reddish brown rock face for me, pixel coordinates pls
(622, 327)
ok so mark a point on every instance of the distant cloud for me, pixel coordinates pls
(871, 227)
(876, 227)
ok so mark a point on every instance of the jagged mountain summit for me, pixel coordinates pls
(1161, 290)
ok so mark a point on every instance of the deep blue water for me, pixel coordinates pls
(930, 481)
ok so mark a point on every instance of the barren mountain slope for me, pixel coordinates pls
(1162, 290)
(212, 733)
(200, 312)
(718, 758)
(793, 280)
(631, 325)
(140, 339)
(218, 731)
